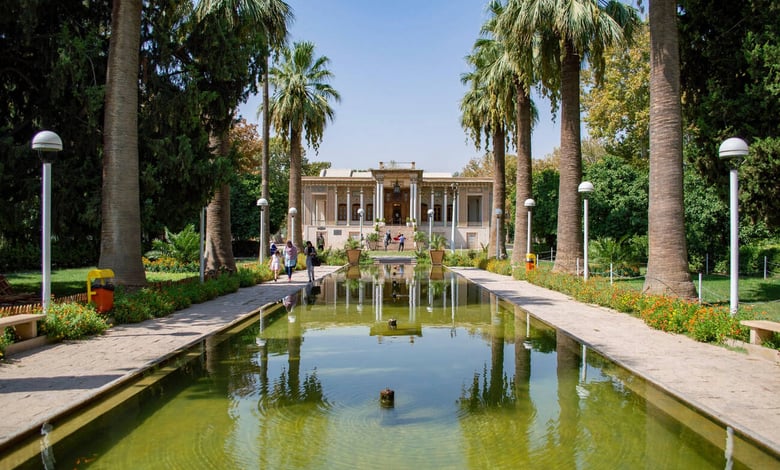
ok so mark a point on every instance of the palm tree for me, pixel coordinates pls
(301, 104)
(275, 31)
(583, 29)
(120, 235)
(488, 107)
(521, 52)
(258, 22)
(667, 266)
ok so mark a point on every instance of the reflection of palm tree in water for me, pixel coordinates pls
(293, 409)
(288, 389)
(496, 390)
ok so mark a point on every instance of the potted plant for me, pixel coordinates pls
(408, 222)
(437, 245)
(352, 247)
(420, 239)
(373, 240)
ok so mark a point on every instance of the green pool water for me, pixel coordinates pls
(478, 384)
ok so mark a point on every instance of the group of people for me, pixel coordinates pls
(389, 239)
(289, 256)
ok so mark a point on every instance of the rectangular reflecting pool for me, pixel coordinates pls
(477, 384)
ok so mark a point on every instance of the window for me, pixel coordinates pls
(437, 212)
(355, 215)
(370, 212)
(449, 212)
(475, 209)
(343, 212)
(423, 212)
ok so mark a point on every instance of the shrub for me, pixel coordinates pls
(72, 321)
(6, 338)
(167, 264)
(702, 323)
(184, 246)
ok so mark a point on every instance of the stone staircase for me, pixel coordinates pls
(395, 231)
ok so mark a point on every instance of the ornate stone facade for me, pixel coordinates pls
(396, 197)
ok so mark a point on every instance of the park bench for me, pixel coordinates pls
(25, 325)
(761, 330)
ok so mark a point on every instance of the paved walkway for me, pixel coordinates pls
(741, 391)
(38, 385)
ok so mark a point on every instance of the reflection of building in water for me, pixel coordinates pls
(394, 291)
(397, 193)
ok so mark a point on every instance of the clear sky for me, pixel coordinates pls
(397, 65)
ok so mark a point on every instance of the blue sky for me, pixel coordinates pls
(397, 66)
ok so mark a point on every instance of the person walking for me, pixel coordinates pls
(401, 240)
(388, 238)
(290, 259)
(275, 265)
(310, 253)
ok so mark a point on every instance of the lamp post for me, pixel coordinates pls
(430, 225)
(293, 212)
(46, 143)
(585, 187)
(530, 204)
(499, 213)
(735, 148)
(361, 212)
(454, 212)
(262, 203)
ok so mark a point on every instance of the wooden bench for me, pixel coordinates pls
(761, 330)
(25, 325)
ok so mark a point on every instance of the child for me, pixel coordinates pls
(275, 265)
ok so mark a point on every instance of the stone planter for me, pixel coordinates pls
(437, 257)
(353, 257)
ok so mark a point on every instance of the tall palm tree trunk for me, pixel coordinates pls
(569, 210)
(120, 235)
(524, 179)
(498, 237)
(266, 156)
(295, 187)
(667, 267)
(219, 237)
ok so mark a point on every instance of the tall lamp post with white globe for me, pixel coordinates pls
(430, 224)
(361, 213)
(585, 187)
(293, 212)
(733, 149)
(46, 143)
(262, 203)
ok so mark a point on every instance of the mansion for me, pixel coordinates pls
(396, 196)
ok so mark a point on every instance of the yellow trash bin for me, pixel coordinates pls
(100, 289)
(530, 261)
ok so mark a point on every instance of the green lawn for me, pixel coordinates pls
(762, 294)
(72, 281)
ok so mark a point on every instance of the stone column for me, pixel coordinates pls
(335, 205)
(445, 208)
(349, 206)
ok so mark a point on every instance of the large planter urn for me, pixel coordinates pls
(437, 257)
(353, 257)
